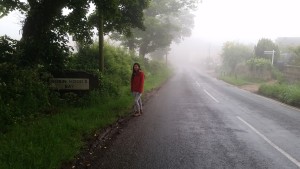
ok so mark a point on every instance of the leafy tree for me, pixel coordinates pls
(233, 54)
(266, 45)
(164, 24)
(119, 16)
(44, 39)
(161, 53)
(8, 49)
(44, 35)
(6, 6)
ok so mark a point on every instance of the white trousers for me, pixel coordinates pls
(137, 101)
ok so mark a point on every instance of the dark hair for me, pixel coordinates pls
(133, 72)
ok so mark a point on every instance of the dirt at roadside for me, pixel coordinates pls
(254, 87)
(251, 87)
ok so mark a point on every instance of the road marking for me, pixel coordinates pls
(198, 84)
(211, 96)
(271, 143)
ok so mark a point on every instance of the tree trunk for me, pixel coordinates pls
(131, 44)
(35, 36)
(143, 50)
(101, 40)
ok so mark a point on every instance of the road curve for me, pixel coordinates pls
(195, 121)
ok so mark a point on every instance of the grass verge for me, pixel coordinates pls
(289, 94)
(50, 141)
(234, 81)
(240, 81)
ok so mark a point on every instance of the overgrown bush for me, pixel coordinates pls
(25, 93)
(259, 68)
(22, 94)
(117, 70)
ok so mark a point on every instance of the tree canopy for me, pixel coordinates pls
(46, 28)
(266, 45)
(164, 24)
(234, 53)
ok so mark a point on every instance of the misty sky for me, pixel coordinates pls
(243, 20)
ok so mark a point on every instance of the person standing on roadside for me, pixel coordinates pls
(137, 88)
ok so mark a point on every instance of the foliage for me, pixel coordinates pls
(266, 45)
(49, 141)
(6, 6)
(117, 65)
(119, 15)
(164, 24)
(259, 64)
(233, 54)
(289, 94)
(44, 39)
(22, 94)
(295, 60)
(8, 49)
(278, 75)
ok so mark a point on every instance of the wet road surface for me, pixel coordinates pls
(195, 121)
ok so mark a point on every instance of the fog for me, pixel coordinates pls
(243, 21)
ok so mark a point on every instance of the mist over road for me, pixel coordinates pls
(195, 121)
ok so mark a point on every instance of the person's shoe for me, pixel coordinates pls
(137, 114)
(141, 111)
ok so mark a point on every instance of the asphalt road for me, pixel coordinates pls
(195, 121)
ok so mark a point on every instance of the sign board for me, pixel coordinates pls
(70, 83)
(78, 82)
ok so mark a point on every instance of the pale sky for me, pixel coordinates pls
(242, 20)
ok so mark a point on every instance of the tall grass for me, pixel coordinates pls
(49, 141)
(289, 94)
(233, 80)
(239, 81)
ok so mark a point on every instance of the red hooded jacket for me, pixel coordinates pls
(137, 83)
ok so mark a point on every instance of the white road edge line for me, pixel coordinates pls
(211, 96)
(271, 143)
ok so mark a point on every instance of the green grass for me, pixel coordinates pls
(289, 94)
(234, 81)
(154, 81)
(240, 81)
(48, 142)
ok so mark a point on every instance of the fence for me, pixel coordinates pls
(291, 73)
